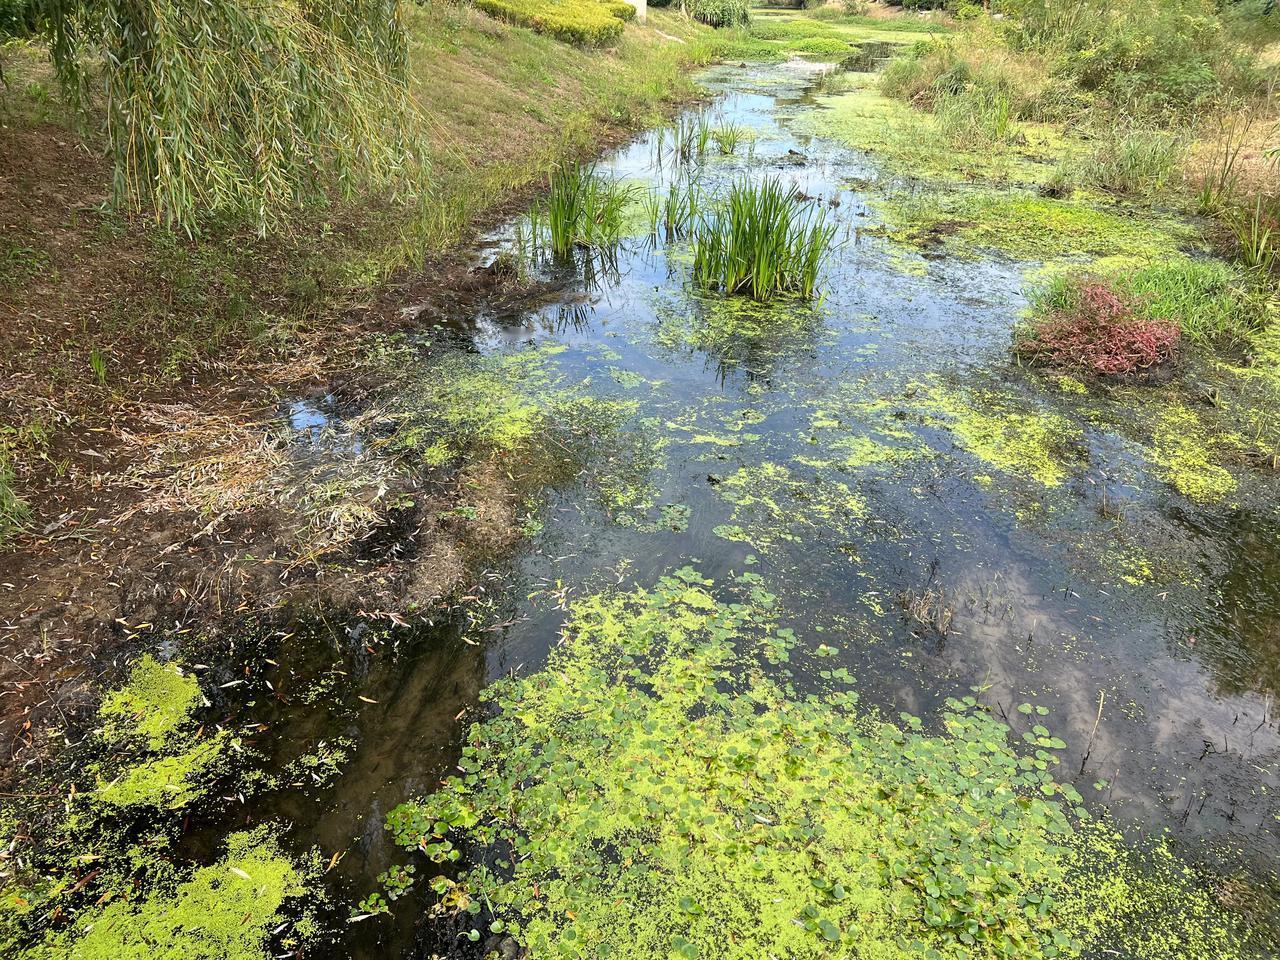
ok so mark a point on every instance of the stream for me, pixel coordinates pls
(831, 448)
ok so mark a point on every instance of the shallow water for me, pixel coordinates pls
(824, 452)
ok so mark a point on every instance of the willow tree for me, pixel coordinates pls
(240, 108)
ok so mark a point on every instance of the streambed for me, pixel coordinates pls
(938, 518)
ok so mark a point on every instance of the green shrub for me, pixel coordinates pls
(1147, 58)
(585, 22)
(719, 13)
(821, 46)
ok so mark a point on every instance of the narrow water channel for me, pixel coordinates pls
(831, 448)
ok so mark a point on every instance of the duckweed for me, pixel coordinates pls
(232, 910)
(738, 331)
(661, 790)
(154, 705)
(1185, 456)
(1029, 227)
(168, 782)
(1002, 433)
(772, 503)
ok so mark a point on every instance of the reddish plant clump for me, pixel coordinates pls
(1098, 329)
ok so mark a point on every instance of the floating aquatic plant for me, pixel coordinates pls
(661, 790)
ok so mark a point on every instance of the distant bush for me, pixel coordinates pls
(584, 22)
(979, 76)
(718, 13)
(1163, 57)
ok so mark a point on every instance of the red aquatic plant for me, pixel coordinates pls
(1087, 324)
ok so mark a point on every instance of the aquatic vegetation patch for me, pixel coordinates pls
(1029, 227)
(583, 208)
(157, 762)
(1003, 433)
(762, 240)
(100, 879)
(517, 412)
(1082, 322)
(773, 503)
(661, 789)
(1186, 451)
(738, 332)
(231, 910)
(453, 405)
(171, 781)
(971, 139)
(154, 704)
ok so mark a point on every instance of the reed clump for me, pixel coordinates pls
(763, 241)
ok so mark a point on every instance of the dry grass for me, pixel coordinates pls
(324, 493)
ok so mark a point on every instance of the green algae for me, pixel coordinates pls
(147, 725)
(154, 705)
(1028, 227)
(914, 143)
(169, 782)
(1002, 433)
(660, 789)
(772, 503)
(102, 880)
(519, 409)
(1185, 456)
(231, 910)
(461, 403)
(738, 331)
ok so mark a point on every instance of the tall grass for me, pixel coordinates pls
(727, 138)
(762, 242)
(686, 141)
(973, 118)
(1131, 161)
(673, 212)
(583, 209)
(1257, 232)
(1222, 178)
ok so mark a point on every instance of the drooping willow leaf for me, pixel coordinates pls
(240, 108)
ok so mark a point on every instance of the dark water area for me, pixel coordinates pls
(826, 450)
